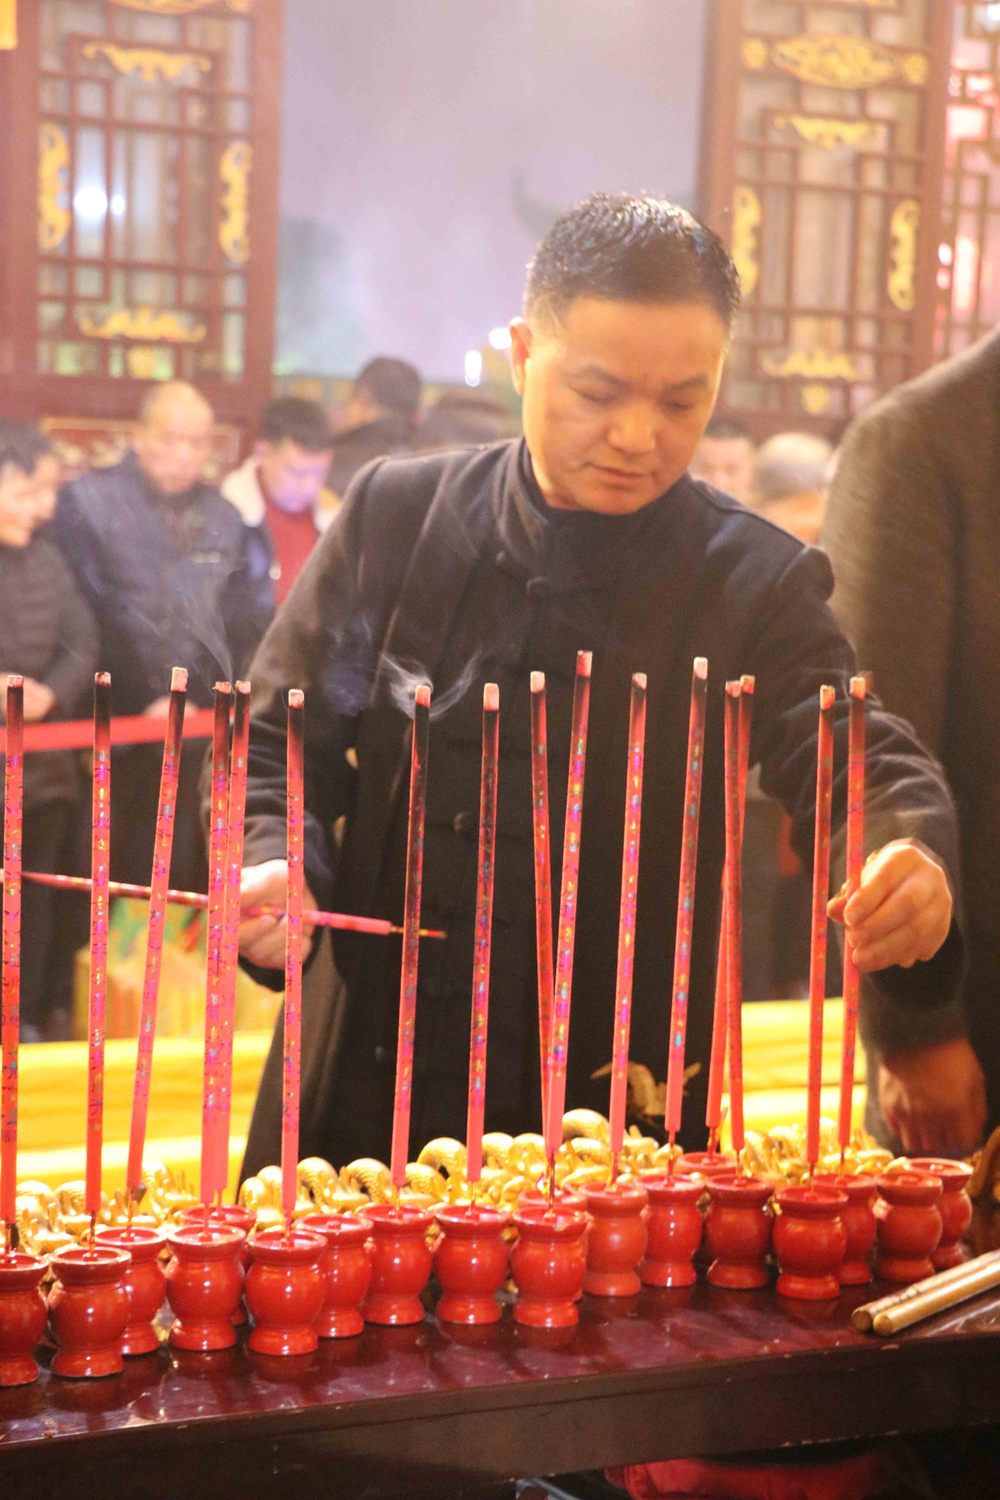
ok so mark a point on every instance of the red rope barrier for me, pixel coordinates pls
(129, 729)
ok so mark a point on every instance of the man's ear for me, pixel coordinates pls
(520, 351)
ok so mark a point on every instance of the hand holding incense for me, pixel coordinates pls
(411, 936)
(10, 1025)
(543, 879)
(484, 930)
(166, 811)
(568, 897)
(820, 896)
(685, 898)
(210, 1165)
(855, 862)
(624, 973)
(100, 854)
(292, 1038)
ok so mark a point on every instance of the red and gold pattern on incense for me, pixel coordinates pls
(625, 968)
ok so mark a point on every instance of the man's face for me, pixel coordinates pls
(615, 398)
(17, 507)
(292, 476)
(173, 445)
(45, 480)
(726, 463)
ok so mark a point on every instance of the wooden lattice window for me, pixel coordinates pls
(823, 139)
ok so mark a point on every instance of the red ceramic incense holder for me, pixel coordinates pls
(674, 1224)
(88, 1310)
(236, 1217)
(22, 1316)
(810, 1241)
(909, 1225)
(401, 1263)
(955, 1206)
(565, 1198)
(204, 1285)
(738, 1231)
(549, 1264)
(617, 1240)
(284, 1290)
(145, 1282)
(859, 1223)
(347, 1272)
(471, 1261)
(705, 1164)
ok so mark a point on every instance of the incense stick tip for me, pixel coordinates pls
(826, 697)
(491, 697)
(422, 696)
(296, 697)
(179, 680)
(639, 681)
(222, 689)
(748, 682)
(538, 682)
(243, 688)
(584, 662)
(859, 687)
(734, 689)
(14, 680)
(102, 679)
(701, 668)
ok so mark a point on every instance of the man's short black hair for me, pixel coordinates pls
(632, 250)
(21, 446)
(393, 385)
(727, 427)
(296, 420)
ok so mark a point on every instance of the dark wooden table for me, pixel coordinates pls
(434, 1410)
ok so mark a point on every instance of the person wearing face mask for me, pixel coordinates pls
(484, 564)
(280, 490)
(174, 579)
(49, 637)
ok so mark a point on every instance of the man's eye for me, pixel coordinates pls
(595, 398)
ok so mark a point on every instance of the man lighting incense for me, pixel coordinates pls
(588, 534)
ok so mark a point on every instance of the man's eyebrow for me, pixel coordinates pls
(678, 387)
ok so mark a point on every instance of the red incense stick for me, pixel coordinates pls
(734, 902)
(292, 1053)
(820, 896)
(484, 931)
(625, 969)
(235, 815)
(411, 940)
(341, 921)
(568, 896)
(166, 811)
(685, 897)
(10, 1027)
(210, 1165)
(720, 1017)
(543, 878)
(100, 853)
(855, 862)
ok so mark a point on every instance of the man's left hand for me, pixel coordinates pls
(900, 913)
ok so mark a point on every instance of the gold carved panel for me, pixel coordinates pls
(53, 191)
(143, 323)
(234, 228)
(816, 364)
(185, 7)
(837, 62)
(746, 227)
(828, 131)
(148, 62)
(901, 281)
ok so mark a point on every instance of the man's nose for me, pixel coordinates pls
(634, 430)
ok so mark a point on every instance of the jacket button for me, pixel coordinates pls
(464, 824)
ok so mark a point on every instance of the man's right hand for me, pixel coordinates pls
(934, 1098)
(262, 939)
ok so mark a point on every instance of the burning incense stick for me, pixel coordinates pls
(685, 897)
(855, 861)
(543, 879)
(625, 970)
(734, 902)
(10, 1027)
(210, 1165)
(100, 854)
(166, 812)
(411, 941)
(820, 896)
(568, 897)
(292, 1052)
(484, 929)
(235, 815)
(720, 1017)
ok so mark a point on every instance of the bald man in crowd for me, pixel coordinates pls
(174, 579)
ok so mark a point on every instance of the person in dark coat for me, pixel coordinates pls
(174, 578)
(469, 567)
(380, 419)
(49, 637)
(913, 529)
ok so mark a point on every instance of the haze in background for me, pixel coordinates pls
(428, 144)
